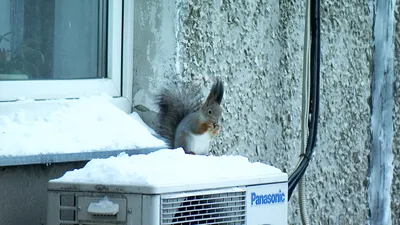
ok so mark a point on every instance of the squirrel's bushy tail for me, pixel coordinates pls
(175, 103)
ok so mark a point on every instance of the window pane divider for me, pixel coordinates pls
(114, 71)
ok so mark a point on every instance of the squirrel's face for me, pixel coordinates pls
(212, 112)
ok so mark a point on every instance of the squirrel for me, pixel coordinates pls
(185, 121)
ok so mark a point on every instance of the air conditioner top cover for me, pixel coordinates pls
(166, 171)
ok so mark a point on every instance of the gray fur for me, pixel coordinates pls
(181, 108)
(175, 104)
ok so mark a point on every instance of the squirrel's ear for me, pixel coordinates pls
(216, 93)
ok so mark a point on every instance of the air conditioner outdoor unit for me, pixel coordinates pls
(253, 200)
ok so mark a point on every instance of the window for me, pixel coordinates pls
(53, 49)
(63, 49)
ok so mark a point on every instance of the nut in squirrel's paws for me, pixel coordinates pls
(214, 128)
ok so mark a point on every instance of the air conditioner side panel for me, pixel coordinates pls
(134, 208)
(151, 210)
(52, 212)
(267, 204)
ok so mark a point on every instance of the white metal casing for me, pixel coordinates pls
(258, 201)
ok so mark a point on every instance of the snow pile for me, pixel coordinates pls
(104, 203)
(104, 207)
(165, 167)
(87, 124)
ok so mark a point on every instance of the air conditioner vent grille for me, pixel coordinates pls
(204, 208)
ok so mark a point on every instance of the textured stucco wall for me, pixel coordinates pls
(396, 136)
(256, 48)
(338, 175)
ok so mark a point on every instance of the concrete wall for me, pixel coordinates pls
(256, 48)
(23, 191)
(396, 137)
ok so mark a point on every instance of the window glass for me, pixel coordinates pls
(52, 39)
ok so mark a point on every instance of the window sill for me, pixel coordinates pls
(67, 157)
(40, 108)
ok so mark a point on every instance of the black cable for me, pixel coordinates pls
(314, 96)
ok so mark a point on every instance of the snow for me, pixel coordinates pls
(84, 125)
(104, 203)
(136, 116)
(165, 167)
(104, 207)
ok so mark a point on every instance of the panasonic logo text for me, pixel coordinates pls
(267, 199)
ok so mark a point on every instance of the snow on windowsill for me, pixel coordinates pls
(85, 125)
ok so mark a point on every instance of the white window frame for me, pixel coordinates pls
(118, 83)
